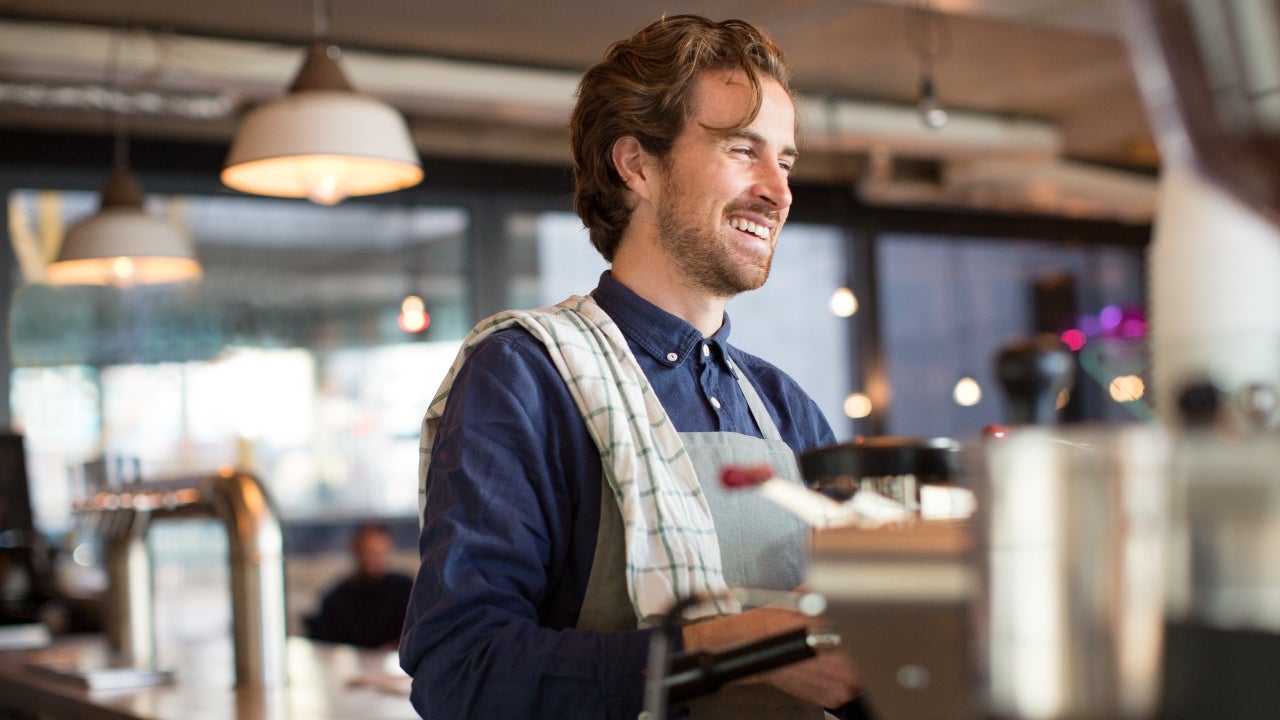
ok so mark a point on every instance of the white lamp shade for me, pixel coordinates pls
(121, 244)
(324, 145)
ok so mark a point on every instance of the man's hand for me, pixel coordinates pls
(829, 680)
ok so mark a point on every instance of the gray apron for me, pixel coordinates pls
(761, 546)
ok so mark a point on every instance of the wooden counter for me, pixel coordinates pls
(325, 681)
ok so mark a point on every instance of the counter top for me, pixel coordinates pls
(325, 681)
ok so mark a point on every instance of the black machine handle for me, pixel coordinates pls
(701, 672)
(678, 678)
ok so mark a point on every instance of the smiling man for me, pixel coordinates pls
(707, 213)
(570, 463)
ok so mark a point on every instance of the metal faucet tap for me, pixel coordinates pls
(256, 557)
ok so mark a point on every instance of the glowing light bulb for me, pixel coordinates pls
(931, 112)
(413, 316)
(967, 392)
(325, 191)
(324, 178)
(413, 322)
(843, 302)
(857, 405)
(933, 116)
(412, 303)
(122, 271)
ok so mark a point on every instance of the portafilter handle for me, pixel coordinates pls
(701, 672)
(674, 679)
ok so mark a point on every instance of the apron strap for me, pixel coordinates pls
(758, 411)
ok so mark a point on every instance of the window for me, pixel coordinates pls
(286, 358)
(949, 304)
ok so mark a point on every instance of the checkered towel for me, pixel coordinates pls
(671, 546)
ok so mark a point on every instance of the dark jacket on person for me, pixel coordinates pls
(364, 611)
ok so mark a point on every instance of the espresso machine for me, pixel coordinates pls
(1121, 571)
(1107, 572)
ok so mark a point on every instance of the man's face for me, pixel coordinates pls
(372, 550)
(724, 199)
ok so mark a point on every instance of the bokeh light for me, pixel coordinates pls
(1127, 388)
(857, 406)
(1074, 339)
(843, 302)
(413, 315)
(1109, 317)
(967, 392)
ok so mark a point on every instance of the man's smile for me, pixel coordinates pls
(749, 226)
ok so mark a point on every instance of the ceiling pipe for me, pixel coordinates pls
(484, 95)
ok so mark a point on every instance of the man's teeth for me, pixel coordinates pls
(759, 231)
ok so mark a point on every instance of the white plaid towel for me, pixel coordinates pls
(671, 546)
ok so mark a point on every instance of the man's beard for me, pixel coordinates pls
(704, 257)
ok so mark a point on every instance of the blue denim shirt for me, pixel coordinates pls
(512, 512)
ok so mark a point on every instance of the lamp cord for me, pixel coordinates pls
(320, 20)
(927, 35)
(115, 101)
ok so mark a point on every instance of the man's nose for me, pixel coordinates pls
(774, 187)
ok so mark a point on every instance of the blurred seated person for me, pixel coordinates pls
(366, 608)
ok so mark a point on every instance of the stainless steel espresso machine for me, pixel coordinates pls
(1113, 572)
(1132, 571)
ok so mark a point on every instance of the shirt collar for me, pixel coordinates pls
(649, 327)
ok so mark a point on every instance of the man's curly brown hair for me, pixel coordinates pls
(644, 88)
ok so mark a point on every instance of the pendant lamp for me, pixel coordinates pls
(927, 32)
(323, 141)
(121, 244)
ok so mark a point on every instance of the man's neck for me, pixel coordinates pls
(660, 284)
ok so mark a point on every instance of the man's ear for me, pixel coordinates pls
(635, 166)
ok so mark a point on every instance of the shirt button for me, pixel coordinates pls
(715, 403)
(706, 351)
(672, 357)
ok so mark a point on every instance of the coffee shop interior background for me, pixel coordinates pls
(916, 248)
